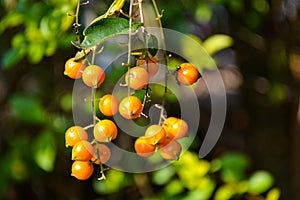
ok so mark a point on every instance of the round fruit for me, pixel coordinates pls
(102, 154)
(130, 107)
(175, 128)
(151, 66)
(105, 130)
(171, 151)
(75, 134)
(137, 79)
(93, 76)
(109, 105)
(82, 170)
(74, 69)
(143, 148)
(187, 74)
(156, 134)
(83, 151)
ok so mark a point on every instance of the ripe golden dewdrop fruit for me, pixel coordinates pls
(93, 76)
(187, 74)
(130, 107)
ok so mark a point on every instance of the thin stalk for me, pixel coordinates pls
(95, 118)
(159, 15)
(129, 46)
(77, 21)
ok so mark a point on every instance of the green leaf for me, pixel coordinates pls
(163, 176)
(105, 29)
(44, 151)
(216, 43)
(12, 57)
(260, 181)
(27, 109)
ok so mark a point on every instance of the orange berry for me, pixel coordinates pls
(93, 76)
(187, 74)
(138, 78)
(171, 151)
(109, 105)
(175, 128)
(102, 154)
(130, 107)
(151, 66)
(155, 134)
(75, 134)
(143, 148)
(73, 69)
(105, 130)
(82, 170)
(83, 151)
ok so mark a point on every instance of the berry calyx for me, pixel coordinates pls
(75, 134)
(82, 170)
(130, 107)
(83, 151)
(109, 105)
(105, 131)
(138, 78)
(187, 74)
(74, 69)
(93, 76)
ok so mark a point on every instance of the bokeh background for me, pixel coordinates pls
(255, 44)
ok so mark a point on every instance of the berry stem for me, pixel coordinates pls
(77, 21)
(159, 16)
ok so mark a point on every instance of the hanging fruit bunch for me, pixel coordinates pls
(91, 144)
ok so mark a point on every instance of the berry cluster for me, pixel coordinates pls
(89, 150)
(162, 138)
(157, 137)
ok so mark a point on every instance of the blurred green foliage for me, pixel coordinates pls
(36, 103)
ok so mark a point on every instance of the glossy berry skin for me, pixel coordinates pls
(105, 130)
(74, 69)
(82, 170)
(75, 134)
(187, 74)
(143, 148)
(151, 66)
(155, 134)
(130, 107)
(102, 154)
(109, 105)
(93, 76)
(175, 128)
(138, 78)
(83, 151)
(171, 151)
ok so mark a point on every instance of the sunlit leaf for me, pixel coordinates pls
(273, 194)
(105, 29)
(44, 151)
(224, 192)
(260, 181)
(216, 43)
(162, 176)
(115, 180)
